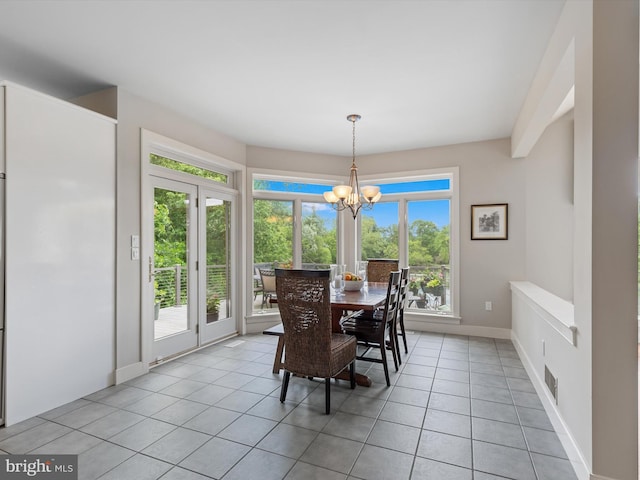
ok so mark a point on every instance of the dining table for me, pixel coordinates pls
(371, 296)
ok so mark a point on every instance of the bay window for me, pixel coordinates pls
(416, 222)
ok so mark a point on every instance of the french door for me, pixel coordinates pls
(215, 276)
(190, 268)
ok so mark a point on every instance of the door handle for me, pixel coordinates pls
(151, 274)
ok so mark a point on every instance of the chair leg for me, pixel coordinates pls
(394, 349)
(352, 374)
(398, 350)
(403, 333)
(327, 395)
(384, 364)
(285, 386)
(397, 344)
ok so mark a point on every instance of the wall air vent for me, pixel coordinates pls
(552, 383)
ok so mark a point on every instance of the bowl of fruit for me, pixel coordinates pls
(352, 282)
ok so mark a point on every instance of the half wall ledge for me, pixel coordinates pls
(557, 312)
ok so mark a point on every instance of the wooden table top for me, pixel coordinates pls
(369, 297)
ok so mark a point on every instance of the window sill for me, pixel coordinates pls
(412, 315)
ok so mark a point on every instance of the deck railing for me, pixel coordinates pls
(171, 284)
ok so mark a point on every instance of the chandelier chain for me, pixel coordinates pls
(353, 123)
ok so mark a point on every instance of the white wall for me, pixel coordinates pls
(549, 210)
(60, 253)
(549, 265)
(614, 217)
(488, 174)
(598, 377)
(135, 113)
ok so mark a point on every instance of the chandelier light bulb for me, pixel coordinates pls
(342, 191)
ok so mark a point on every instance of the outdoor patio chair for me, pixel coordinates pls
(268, 281)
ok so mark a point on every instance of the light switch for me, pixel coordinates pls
(135, 241)
(135, 253)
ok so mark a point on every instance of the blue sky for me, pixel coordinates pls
(385, 213)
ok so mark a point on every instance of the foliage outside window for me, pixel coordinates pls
(187, 168)
(379, 227)
(427, 234)
(272, 231)
(170, 245)
(319, 235)
(218, 218)
(429, 254)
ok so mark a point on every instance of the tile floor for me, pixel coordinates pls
(460, 408)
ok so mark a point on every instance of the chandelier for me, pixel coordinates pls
(352, 196)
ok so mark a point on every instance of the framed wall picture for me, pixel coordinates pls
(489, 222)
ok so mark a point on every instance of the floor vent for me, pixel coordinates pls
(234, 344)
(552, 383)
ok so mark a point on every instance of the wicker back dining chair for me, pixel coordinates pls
(311, 349)
(378, 269)
(374, 329)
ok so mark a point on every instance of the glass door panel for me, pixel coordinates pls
(173, 268)
(216, 254)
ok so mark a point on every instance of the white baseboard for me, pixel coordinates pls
(576, 458)
(130, 371)
(456, 329)
(259, 323)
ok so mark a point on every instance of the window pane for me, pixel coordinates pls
(380, 231)
(272, 231)
(273, 186)
(429, 222)
(319, 235)
(272, 243)
(186, 168)
(218, 218)
(418, 186)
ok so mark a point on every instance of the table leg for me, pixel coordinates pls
(277, 362)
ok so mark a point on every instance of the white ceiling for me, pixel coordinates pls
(285, 74)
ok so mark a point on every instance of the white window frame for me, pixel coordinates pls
(451, 173)
(297, 198)
(349, 230)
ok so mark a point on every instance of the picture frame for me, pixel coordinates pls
(490, 221)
